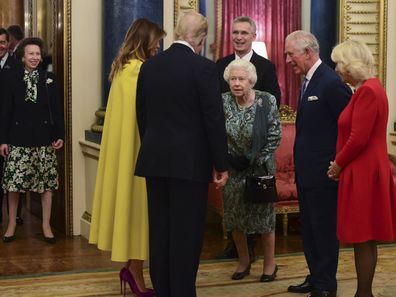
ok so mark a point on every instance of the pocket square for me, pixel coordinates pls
(313, 98)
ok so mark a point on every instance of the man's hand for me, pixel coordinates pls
(220, 178)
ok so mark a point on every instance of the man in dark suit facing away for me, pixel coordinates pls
(243, 35)
(323, 97)
(183, 147)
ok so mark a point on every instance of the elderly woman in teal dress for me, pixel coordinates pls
(253, 133)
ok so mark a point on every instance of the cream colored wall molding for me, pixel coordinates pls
(366, 20)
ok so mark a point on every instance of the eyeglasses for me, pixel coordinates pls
(3, 42)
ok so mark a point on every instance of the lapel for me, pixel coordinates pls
(315, 80)
(253, 59)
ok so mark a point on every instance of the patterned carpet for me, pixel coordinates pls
(213, 280)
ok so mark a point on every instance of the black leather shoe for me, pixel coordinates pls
(8, 238)
(305, 287)
(269, 278)
(318, 293)
(19, 221)
(241, 275)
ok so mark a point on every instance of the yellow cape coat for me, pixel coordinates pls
(119, 215)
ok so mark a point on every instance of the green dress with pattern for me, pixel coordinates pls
(240, 215)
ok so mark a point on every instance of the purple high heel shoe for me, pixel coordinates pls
(127, 277)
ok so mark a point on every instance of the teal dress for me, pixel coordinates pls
(238, 214)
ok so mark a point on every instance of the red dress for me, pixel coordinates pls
(366, 196)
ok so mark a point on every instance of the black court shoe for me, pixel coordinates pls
(269, 278)
(50, 240)
(241, 275)
(8, 238)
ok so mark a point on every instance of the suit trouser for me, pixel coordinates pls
(177, 211)
(318, 209)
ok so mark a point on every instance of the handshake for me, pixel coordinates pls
(239, 163)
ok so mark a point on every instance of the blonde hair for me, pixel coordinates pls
(303, 40)
(354, 58)
(191, 27)
(140, 39)
(243, 65)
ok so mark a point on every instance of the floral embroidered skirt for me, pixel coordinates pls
(30, 169)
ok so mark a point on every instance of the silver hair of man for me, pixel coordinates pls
(303, 40)
(246, 19)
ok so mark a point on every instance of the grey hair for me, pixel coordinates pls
(303, 40)
(246, 19)
(355, 58)
(244, 65)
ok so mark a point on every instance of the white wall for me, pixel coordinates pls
(210, 15)
(86, 89)
(168, 22)
(306, 15)
(391, 70)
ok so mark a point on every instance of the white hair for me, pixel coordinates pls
(244, 65)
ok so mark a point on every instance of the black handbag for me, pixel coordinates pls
(260, 189)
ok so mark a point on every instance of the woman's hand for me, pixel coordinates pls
(4, 150)
(334, 171)
(57, 144)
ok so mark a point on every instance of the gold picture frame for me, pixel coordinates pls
(184, 5)
(366, 20)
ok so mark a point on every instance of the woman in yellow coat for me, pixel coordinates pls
(119, 216)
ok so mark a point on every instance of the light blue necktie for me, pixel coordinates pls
(303, 87)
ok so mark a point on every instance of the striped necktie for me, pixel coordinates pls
(303, 87)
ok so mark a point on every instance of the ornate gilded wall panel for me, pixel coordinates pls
(365, 20)
(184, 5)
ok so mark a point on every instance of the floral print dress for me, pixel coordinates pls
(30, 168)
(240, 215)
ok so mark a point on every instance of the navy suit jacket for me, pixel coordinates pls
(316, 127)
(180, 117)
(10, 66)
(28, 124)
(266, 75)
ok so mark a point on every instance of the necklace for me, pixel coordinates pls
(249, 102)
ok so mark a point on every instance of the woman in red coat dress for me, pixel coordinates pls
(366, 210)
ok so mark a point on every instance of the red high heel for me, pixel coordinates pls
(127, 277)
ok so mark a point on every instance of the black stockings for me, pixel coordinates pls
(365, 262)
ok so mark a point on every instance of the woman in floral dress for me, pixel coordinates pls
(253, 133)
(31, 129)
